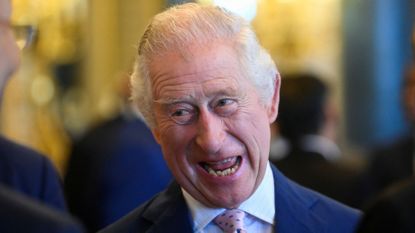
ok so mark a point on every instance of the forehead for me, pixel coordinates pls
(201, 69)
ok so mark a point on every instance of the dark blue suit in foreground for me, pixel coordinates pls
(298, 210)
(114, 168)
(392, 211)
(20, 214)
(30, 173)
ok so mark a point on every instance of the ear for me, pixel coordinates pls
(273, 107)
(331, 119)
(331, 113)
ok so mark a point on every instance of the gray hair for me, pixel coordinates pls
(192, 24)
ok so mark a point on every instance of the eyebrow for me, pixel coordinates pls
(190, 98)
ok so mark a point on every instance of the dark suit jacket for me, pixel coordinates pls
(298, 210)
(30, 173)
(391, 163)
(338, 181)
(21, 214)
(393, 211)
(112, 169)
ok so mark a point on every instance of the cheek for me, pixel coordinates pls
(175, 139)
(253, 130)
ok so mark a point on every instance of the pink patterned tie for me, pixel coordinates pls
(231, 221)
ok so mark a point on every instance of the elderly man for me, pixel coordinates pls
(209, 92)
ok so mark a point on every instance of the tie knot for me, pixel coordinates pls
(231, 221)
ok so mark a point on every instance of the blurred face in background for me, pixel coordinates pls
(211, 124)
(409, 94)
(9, 52)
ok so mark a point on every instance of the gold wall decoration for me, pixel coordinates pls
(31, 111)
(97, 37)
(102, 36)
(305, 36)
(302, 34)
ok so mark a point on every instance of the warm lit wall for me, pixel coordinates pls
(304, 35)
(114, 28)
(68, 78)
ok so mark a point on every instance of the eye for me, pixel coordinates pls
(182, 114)
(225, 106)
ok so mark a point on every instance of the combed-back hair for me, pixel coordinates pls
(179, 29)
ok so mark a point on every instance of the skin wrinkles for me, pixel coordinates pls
(163, 80)
(187, 90)
(213, 75)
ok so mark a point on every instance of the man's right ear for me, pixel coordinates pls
(273, 108)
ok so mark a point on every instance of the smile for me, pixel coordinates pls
(224, 167)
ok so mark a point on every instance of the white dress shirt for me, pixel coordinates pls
(259, 209)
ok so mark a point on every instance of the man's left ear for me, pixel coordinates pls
(273, 107)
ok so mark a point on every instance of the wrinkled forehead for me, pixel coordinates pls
(207, 66)
(5, 10)
(196, 57)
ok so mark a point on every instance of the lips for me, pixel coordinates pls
(224, 167)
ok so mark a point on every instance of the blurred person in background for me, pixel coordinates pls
(114, 167)
(31, 198)
(395, 161)
(21, 168)
(392, 171)
(308, 121)
(22, 214)
(391, 211)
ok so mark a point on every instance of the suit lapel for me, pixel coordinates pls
(293, 212)
(169, 212)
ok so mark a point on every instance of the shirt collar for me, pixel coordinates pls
(322, 145)
(261, 204)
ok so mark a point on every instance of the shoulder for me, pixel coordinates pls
(322, 204)
(390, 150)
(30, 172)
(392, 211)
(132, 222)
(15, 153)
(20, 160)
(20, 213)
(334, 211)
(312, 211)
(150, 213)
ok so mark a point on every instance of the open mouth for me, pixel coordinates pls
(225, 167)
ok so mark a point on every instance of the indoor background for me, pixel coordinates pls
(71, 74)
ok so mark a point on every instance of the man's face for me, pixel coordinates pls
(9, 53)
(211, 125)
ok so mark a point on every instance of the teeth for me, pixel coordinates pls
(226, 172)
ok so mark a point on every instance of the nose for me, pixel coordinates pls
(211, 133)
